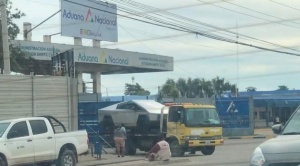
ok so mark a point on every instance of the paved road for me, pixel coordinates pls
(232, 153)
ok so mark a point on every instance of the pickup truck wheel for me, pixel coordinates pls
(67, 158)
(2, 161)
(176, 149)
(208, 150)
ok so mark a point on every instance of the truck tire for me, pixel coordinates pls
(67, 158)
(143, 123)
(208, 150)
(2, 161)
(130, 148)
(176, 149)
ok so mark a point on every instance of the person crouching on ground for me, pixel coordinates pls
(119, 138)
(160, 151)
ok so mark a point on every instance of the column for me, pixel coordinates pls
(77, 41)
(80, 82)
(47, 39)
(96, 82)
(96, 43)
(26, 28)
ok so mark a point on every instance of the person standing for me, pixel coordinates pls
(160, 151)
(124, 129)
(119, 138)
(277, 120)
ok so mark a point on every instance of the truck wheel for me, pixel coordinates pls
(208, 150)
(193, 151)
(176, 149)
(67, 158)
(130, 148)
(2, 161)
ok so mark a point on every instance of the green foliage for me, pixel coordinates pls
(19, 62)
(169, 89)
(13, 14)
(192, 88)
(135, 90)
(282, 87)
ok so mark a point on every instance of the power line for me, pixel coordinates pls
(185, 34)
(196, 33)
(247, 14)
(285, 5)
(212, 27)
(166, 38)
(259, 12)
(218, 56)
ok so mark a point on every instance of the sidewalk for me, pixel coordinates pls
(137, 160)
(106, 159)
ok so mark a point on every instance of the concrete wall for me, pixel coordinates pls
(26, 96)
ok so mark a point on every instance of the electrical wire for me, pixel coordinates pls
(260, 12)
(247, 14)
(223, 29)
(285, 5)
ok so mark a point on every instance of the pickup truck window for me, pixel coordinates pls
(3, 127)
(38, 127)
(19, 129)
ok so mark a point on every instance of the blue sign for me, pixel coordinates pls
(233, 112)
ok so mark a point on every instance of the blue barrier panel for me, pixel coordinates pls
(88, 117)
(233, 112)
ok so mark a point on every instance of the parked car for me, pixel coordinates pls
(284, 150)
(43, 140)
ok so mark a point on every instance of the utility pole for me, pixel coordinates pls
(6, 57)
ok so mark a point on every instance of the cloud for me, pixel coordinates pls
(196, 56)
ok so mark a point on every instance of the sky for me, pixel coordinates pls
(196, 56)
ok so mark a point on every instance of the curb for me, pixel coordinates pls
(171, 162)
(249, 137)
(108, 163)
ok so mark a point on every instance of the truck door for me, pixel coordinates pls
(19, 144)
(175, 121)
(43, 141)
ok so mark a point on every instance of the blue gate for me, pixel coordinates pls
(88, 117)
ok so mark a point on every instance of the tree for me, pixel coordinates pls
(135, 90)
(221, 86)
(182, 86)
(207, 89)
(251, 89)
(192, 88)
(169, 89)
(19, 61)
(282, 87)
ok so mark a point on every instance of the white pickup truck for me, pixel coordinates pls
(40, 141)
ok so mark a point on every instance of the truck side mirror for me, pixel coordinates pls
(179, 117)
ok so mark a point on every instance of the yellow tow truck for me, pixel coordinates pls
(192, 127)
(187, 127)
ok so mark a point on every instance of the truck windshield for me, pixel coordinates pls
(293, 125)
(202, 117)
(3, 127)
